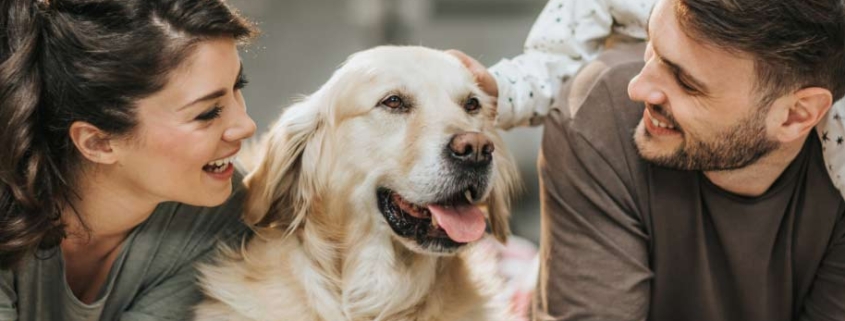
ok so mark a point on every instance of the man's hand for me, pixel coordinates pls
(482, 76)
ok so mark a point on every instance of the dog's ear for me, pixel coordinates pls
(505, 187)
(282, 188)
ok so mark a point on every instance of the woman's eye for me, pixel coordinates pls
(393, 102)
(210, 114)
(472, 105)
(241, 82)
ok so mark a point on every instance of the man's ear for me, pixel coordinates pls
(93, 143)
(806, 108)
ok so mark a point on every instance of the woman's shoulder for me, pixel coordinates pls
(8, 296)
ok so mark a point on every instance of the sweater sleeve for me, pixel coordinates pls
(8, 297)
(566, 35)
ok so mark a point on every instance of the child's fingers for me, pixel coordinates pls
(482, 76)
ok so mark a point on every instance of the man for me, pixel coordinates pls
(699, 192)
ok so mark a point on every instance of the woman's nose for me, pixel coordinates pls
(242, 127)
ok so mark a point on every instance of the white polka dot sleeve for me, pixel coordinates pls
(566, 35)
(831, 130)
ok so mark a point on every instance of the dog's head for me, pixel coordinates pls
(399, 141)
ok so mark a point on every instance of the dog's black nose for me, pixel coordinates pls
(471, 149)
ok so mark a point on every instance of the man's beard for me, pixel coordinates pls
(739, 146)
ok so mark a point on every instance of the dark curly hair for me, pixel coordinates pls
(63, 61)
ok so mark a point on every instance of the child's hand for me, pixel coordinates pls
(482, 76)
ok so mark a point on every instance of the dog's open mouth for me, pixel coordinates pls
(442, 225)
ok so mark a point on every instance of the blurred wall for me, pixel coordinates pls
(304, 41)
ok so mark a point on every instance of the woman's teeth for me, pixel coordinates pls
(220, 165)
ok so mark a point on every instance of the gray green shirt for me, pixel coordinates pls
(153, 278)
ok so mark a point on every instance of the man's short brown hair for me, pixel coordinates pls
(794, 43)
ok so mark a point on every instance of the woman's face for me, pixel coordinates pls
(189, 132)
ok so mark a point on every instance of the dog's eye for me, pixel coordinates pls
(393, 102)
(472, 105)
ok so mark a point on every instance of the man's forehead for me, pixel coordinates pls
(669, 42)
(695, 60)
(688, 56)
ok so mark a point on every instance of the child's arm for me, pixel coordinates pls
(831, 131)
(566, 35)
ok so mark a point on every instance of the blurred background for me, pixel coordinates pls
(304, 41)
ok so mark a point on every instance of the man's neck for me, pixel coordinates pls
(754, 180)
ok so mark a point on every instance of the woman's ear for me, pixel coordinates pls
(93, 143)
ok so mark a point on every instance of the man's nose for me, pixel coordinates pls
(644, 86)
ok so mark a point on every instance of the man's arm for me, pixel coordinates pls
(594, 236)
(826, 301)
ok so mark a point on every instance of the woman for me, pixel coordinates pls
(120, 122)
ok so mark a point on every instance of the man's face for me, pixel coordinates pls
(702, 106)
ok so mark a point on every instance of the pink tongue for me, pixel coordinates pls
(463, 223)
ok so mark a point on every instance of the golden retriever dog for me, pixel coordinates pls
(366, 201)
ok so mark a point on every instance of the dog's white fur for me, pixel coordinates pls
(322, 250)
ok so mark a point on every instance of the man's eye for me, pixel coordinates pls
(210, 114)
(685, 86)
